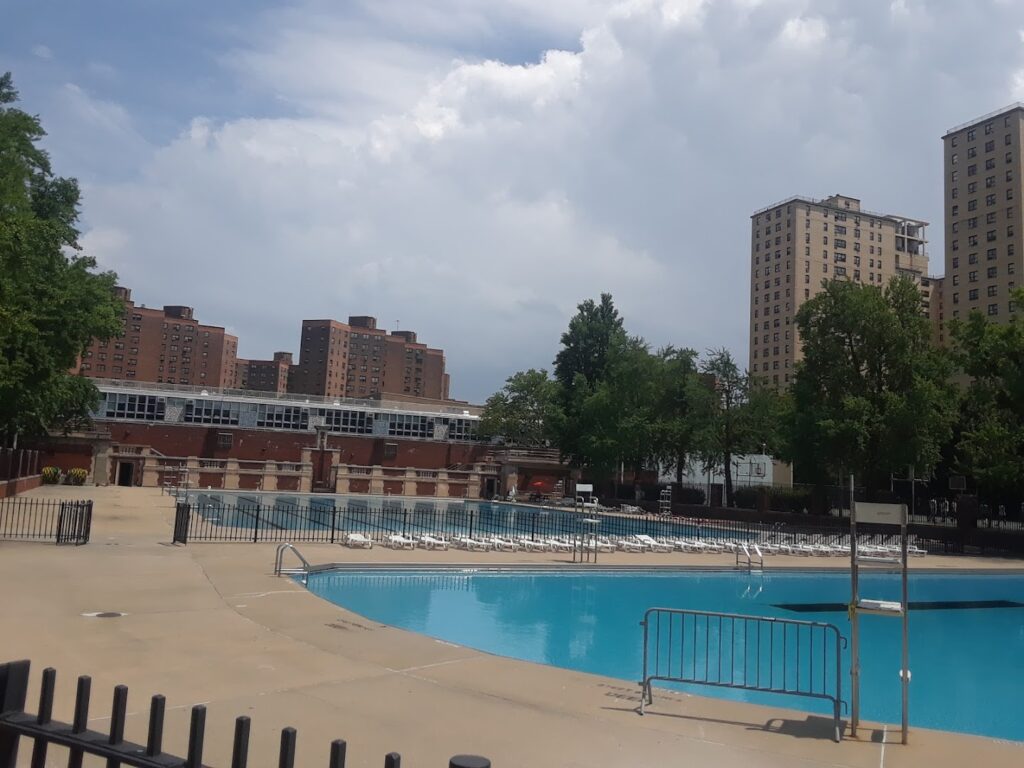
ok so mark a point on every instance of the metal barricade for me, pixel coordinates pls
(753, 653)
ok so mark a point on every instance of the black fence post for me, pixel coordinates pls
(256, 525)
(13, 693)
(469, 761)
(182, 513)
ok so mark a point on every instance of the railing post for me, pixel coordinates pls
(256, 525)
(334, 523)
(469, 761)
(13, 693)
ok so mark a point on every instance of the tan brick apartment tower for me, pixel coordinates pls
(984, 247)
(798, 244)
(358, 359)
(163, 345)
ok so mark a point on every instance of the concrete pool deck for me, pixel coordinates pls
(210, 623)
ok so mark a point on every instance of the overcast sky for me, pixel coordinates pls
(473, 169)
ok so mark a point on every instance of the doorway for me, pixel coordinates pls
(125, 473)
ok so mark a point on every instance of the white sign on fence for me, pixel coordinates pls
(882, 514)
(584, 487)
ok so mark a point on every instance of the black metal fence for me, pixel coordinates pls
(30, 519)
(753, 653)
(79, 740)
(213, 521)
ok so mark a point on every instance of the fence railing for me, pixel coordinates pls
(753, 653)
(29, 519)
(79, 740)
(16, 463)
(254, 522)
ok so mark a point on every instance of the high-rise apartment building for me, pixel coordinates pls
(163, 345)
(983, 188)
(358, 359)
(264, 375)
(799, 244)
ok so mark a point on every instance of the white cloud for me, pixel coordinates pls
(41, 51)
(800, 32)
(421, 171)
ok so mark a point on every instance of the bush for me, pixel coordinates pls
(687, 495)
(745, 498)
(51, 475)
(77, 476)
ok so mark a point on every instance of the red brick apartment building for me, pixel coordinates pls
(357, 359)
(264, 375)
(165, 346)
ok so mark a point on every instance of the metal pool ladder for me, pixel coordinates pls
(280, 570)
(749, 555)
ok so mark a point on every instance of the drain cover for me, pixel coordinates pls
(104, 615)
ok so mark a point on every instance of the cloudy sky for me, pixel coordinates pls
(472, 169)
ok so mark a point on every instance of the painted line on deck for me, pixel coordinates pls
(881, 758)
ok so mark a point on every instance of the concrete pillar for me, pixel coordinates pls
(306, 478)
(341, 479)
(101, 463)
(473, 487)
(377, 480)
(441, 488)
(409, 483)
(231, 480)
(150, 472)
(192, 471)
(270, 476)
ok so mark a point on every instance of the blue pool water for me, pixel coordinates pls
(967, 662)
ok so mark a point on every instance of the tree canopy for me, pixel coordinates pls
(523, 410)
(991, 444)
(871, 396)
(52, 301)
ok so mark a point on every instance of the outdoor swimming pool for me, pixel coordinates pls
(966, 649)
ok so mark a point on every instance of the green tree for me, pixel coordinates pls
(991, 445)
(871, 396)
(676, 408)
(731, 415)
(584, 424)
(52, 302)
(523, 410)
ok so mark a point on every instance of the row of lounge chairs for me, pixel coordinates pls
(636, 543)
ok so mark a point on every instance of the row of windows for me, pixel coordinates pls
(279, 416)
(124, 406)
(990, 255)
(349, 422)
(211, 412)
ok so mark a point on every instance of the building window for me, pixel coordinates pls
(139, 407)
(992, 271)
(972, 277)
(972, 295)
(211, 412)
(992, 290)
(273, 416)
(993, 309)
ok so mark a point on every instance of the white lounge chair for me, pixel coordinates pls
(557, 545)
(651, 543)
(432, 542)
(628, 545)
(465, 542)
(359, 540)
(398, 541)
(533, 546)
(503, 545)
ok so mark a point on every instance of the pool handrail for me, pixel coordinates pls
(279, 568)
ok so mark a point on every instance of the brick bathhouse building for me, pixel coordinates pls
(152, 435)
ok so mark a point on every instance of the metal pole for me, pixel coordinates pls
(905, 662)
(854, 624)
